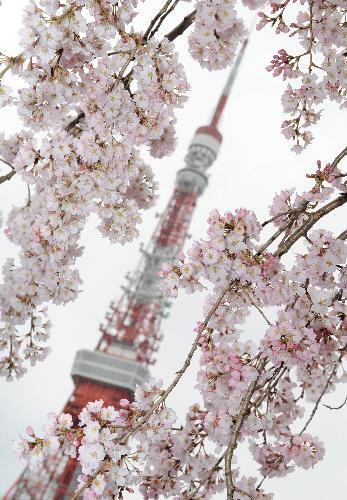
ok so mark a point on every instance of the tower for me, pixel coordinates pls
(131, 333)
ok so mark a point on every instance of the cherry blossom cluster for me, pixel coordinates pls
(301, 351)
(318, 71)
(251, 388)
(303, 450)
(218, 32)
(95, 92)
(157, 461)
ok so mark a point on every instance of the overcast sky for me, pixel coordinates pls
(254, 162)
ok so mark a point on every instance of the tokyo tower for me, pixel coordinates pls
(131, 332)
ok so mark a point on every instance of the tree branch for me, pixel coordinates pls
(293, 214)
(337, 407)
(181, 27)
(155, 19)
(339, 157)
(7, 177)
(236, 430)
(245, 405)
(315, 408)
(255, 305)
(343, 235)
(312, 219)
(163, 17)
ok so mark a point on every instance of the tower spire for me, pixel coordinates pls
(131, 333)
(212, 128)
(228, 86)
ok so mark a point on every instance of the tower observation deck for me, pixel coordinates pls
(131, 333)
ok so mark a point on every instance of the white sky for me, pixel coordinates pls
(255, 161)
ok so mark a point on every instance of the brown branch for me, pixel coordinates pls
(312, 219)
(163, 17)
(343, 235)
(339, 157)
(103, 467)
(315, 408)
(279, 231)
(310, 49)
(275, 464)
(12, 60)
(281, 214)
(74, 122)
(243, 492)
(7, 163)
(293, 214)
(337, 407)
(273, 382)
(255, 305)
(181, 27)
(7, 177)
(236, 431)
(155, 19)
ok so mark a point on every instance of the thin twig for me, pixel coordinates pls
(12, 60)
(243, 492)
(281, 214)
(339, 157)
(274, 465)
(155, 19)
(277, 233)
(315, 408)
(336, 407)
(257, 307)
(293, 214)
(163, 17)
(271, 386)
(74, 122)
(311, 38)
(7, 163)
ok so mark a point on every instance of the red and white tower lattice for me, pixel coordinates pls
(131, 333)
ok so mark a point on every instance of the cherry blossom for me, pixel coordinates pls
(98, 93)
(217, 33)
(252, 391)
(95, 91)
(318, 71)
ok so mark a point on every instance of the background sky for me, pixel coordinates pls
(255, 161)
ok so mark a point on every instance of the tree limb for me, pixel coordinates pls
(236, 431)
(7, 177)
(343, 235)
(312, 219)
(181, 27)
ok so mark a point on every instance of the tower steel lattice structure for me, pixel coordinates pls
(131, 334)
